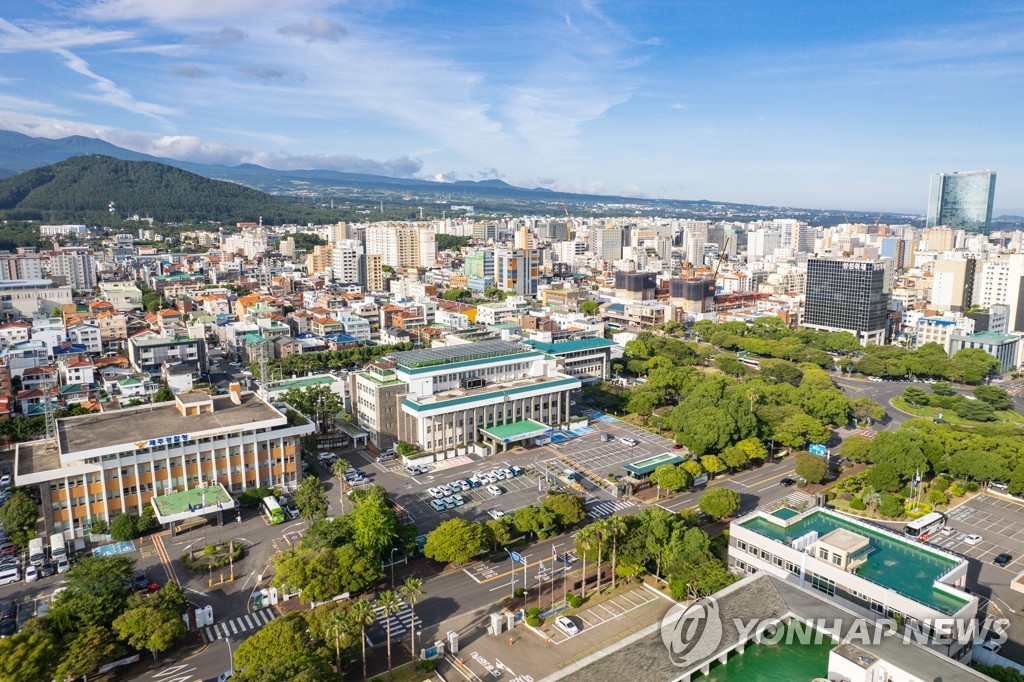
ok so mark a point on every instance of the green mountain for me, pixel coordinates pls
(83, 188)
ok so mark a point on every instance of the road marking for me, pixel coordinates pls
(248, 623)
(770, 478)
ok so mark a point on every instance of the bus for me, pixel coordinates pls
(272, 510)
(57, 548)
(36, 553)
(750, 362)
(928, 524)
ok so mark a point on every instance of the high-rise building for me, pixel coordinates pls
(287, 247)
(21, 266)
(1002, 283)
(76, 266)
(479, 263)
(953, 284)
(349, 262)
(319, 259)
(517, 270)
(402, 246)
(847, 295)
(962, 199)
(606, 243)
(374, 272)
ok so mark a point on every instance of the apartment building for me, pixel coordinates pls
(149, 352)
(402, 245)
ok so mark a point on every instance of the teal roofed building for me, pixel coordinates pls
(589, 360)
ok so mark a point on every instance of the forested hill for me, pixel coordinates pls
(83, 187)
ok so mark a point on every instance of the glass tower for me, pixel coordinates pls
(962, 200)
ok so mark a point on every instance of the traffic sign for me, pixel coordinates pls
(516, 557)
(819, 450)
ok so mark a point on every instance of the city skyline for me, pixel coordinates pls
(819, 107)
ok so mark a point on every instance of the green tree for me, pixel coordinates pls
(283, 649)
(311, 498)
(125, 527)
(712, 464)
(996, 397)
(916, 396)
(457, 295)
(670, 477)
(971, 366)
(97, 592)
(498, 531)
(798, 430)
(17, 516)
(719, 503)
(374, 523)
(319, 403)
(692, 468)
(884, 476)
(811, 468)
(147, 626)
(975, 410)
(590, 307)
(943, 388)
(643, 402)
(568, 508)
(163, 395)
(455, 541)
(404, 449)
(341, 467)
(733, 457)
(856, 448)
(780, 371)
(31, 656)
(363, 616)
(699, 579)
(865, 409)
(754, 449)
(890, 506)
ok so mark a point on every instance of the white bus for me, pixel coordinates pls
(36, 553)
(928, 524)
(57, 548)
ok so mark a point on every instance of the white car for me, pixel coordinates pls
(631, 442)
(972, 539)
(494, 490)
(496, 514)
(63, 566)
(567, 626)
(31, 574)
(436, 493)
(499, 474)
(5, 481)
(992, 645)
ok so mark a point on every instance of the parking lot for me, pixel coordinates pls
(601, 458)
(599, 614)
(516, 492)
(1000, 523)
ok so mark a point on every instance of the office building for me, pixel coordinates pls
(517, 271)
(589, 360)
(940, 329)
(106, 464)
(962, 200)
(606, 243)
(848, 295)
(1003, 347)
(852, 561)
(443, 399)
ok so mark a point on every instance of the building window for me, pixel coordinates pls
(823, 554)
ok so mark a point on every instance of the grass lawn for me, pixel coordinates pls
(928, 412)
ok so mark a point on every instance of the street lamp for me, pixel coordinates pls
(231, 655)
(392, 560)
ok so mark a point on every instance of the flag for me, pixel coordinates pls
(542, 567)
(554, 553)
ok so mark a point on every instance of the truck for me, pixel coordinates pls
(57, 548)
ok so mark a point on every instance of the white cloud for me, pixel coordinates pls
(679, 106)
(229, 36)
(188, 70)
(161, 11)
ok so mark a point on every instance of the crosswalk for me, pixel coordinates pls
(603, 509)
(401, 622)
(797, 499)
(250, 621)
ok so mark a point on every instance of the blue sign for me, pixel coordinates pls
(818, 450)
(515, 557)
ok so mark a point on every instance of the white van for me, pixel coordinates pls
(9, 576)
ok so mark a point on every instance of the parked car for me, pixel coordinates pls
(46, 570)
(6, 609)
(496, 514)
(63, 566)
(140, 581)
(631, 442)
(567, 626)
(992, 645)
(438, 505)
(494, 490)
(499, 474)
(436, 493)
(386, 456)
(998, 485)
(947, 530)
(292, 511)
(517, 471)
(475, 481)
(972, 539)
(416, 469)
(326, 458)
(31, 574)
(5, 481)
(1002, 559)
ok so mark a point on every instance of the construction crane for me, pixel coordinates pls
(721, 257)
(568, 225)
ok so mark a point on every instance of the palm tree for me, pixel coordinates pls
(340, 468)
(584, 543)
(616, 527)
(600, 535)
(412, 590)
(363, 615)
(341, 621)
(389, 603)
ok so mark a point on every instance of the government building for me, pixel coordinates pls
(102, 465)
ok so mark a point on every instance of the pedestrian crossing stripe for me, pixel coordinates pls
(602, 509)
(400, 620)
(234, 626)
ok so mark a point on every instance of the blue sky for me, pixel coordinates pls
(816, 104)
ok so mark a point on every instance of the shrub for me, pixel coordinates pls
(956, 490)
(534, 611)
(940, 483)
(937, 497)
(253, 498)
(533, 621)
(428, 666)
(972, 487)
(210, 559)
(99, 527)
(519, 593)
(857, 503)
(890, 506)
(574, 600)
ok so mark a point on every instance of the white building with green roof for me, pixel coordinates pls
(443, 399)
